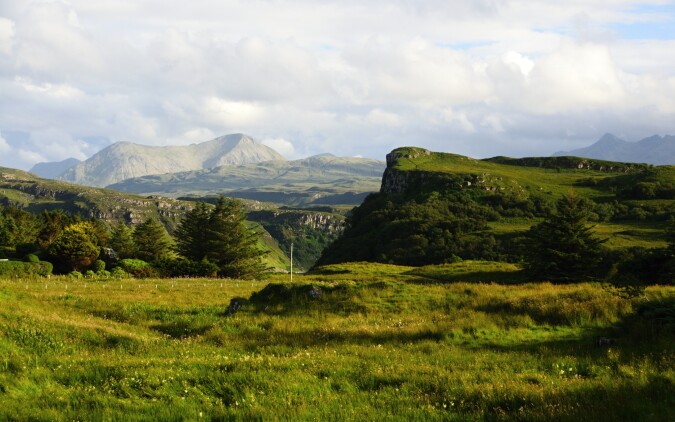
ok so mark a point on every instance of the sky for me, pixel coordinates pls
(353, 78)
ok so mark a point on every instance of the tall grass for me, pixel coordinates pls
(377, 342)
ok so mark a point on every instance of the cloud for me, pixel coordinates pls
(4, 146)
(280, 145)
(350, 77)
(6, 35)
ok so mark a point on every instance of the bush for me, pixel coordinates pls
(75, 274)
(89, 274)
(186, 268)
(137, 268)
(118, 272)
(98, 266)
(31, 258)
(103, 274)
(24, 269)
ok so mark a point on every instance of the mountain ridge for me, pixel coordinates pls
(53, 169)
(655, 149)
(124, 160)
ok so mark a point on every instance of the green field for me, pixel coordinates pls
(462, 341)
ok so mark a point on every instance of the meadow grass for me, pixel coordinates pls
(376, 342)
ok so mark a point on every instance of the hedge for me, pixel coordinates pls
(15, 269)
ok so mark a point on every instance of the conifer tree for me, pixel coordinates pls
(563, 247)
(232, 245)
(122, 241)
(191, 234)
(152, 240)
(221, 236)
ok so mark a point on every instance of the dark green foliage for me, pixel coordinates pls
(232, 245)
(427, 228)
(17, 226)
(137, 268)
(310, 230)
(122, 241)
(98, 266)
(76, 248)
(563, 247)
(191, 234)
(152, 241)
(185, 268)
(636, 268)
(52, 224)
(13, 269)
(31, 258)
(224, 240)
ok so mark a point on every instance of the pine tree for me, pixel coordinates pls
(191, 234)
(122, 241)
(221, 236)
(563, 247)
(152, 240)
(232, 245)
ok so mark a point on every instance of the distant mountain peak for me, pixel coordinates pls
(656, 149)
(51, 170)
(124, 160)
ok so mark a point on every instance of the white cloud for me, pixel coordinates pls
(6, 35)
(349, 77)
(233, 114)
(4, 146)
(280, 145)
(381, 117)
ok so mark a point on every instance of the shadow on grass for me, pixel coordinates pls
(471, 273)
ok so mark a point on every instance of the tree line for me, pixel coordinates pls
(436, 227)
(209, 241)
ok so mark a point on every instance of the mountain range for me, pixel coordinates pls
(235, 165)
(657, 150)
(124, 160)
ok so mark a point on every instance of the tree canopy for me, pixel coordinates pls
(564, 247)
(220, 235)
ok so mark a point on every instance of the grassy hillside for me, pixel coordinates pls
(438, 207)
(35, 194)
(371, 342)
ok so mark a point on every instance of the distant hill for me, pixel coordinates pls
(318, 180)
(124, 160)
(657, 150)
(52, 170)
(310, 229)
(31, 193)
(435, 208)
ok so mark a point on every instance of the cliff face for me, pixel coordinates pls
(399, 181)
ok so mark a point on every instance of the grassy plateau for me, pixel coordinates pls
(359, 341)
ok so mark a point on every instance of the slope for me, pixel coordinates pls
(437, 207)
(322, 179)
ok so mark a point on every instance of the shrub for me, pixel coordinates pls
(89, 274)
(75, 274)
(31, 258)
(24, 269)
(103, 273)
(137, 268)
(118, 272)
(185, 267)
(98, 266)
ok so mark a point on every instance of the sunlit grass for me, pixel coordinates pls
(378, 342)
